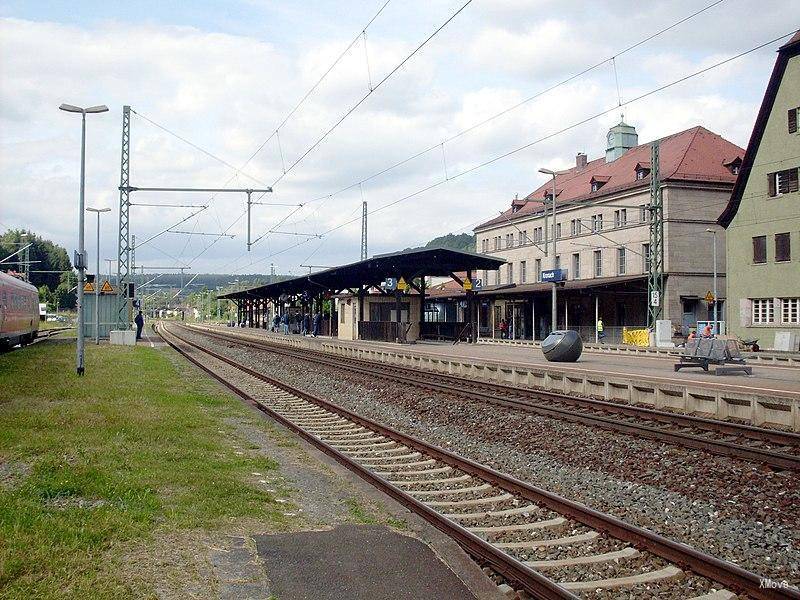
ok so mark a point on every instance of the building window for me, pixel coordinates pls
(574, 227)
(620, 261)
(523, 237)
(537, 235)
(558, 231)
(485, 245)
(558, 261)
(596, 185)
(790, 311)
(782, 182)
(597, 222)
(793, 119)
(485, 279)
(642, 173)
(576, 266)
(496, 243)
(643, 213)
(523, 271)
(598, 263)
(538, 267)
(763, 313)
(509, 240)
(783, 250)
(620, 217)
(760, 249)
(510, 272)
(645, 258)
(497, 277)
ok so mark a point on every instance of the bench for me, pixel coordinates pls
(707, 351)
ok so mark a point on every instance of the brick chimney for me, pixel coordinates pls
(580, 160)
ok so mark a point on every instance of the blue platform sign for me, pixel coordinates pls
(554, 275)
(391, 283)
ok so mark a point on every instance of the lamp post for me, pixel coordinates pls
(554, 315)
(81, 254)
(97, 275)
(716, 300)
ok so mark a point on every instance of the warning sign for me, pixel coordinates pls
(401, 284)
(709, 296)
(467, 285)
(88, 287)
(106, 289)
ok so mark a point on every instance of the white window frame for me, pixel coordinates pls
(763, 311)
(597, 263)
(621, 261)
(790, 311)
(538, 265)
(523, 271)
(576, 265)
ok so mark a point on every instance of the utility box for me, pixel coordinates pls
(109, 309)
(786, 341)
(664, 334)
(123, 337)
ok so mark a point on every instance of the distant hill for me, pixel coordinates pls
(462, 241)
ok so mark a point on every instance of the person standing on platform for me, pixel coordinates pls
(316, 323)
(285, 323)
(503, 329)
(306, 324)
(139, 320)
(601, 335)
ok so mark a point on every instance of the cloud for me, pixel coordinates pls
(226, 93)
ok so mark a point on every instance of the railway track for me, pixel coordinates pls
(774, 448)
(547, 545)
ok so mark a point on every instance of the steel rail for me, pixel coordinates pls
(512, 569)
(455, 386)
(721, 571)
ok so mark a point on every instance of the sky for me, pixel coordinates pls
(211, 82)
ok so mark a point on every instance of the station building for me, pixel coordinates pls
(602, 239)
(763, 217)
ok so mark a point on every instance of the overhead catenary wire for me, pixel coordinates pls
(521, 103)
(541, 139)
(388, 76)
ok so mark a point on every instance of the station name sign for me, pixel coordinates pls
(554, 275)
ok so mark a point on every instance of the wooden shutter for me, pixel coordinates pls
(782, 247)
(771, 183)
(793, 120)
(792, 178)
(760, 249)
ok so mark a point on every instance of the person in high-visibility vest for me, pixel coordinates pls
(600, 334)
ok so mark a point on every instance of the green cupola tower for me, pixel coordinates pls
(621, 138)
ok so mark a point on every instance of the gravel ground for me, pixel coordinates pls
(730, 509)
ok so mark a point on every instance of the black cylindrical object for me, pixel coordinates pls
(562, 346)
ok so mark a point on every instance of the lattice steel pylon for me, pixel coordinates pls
(655, 278)
(123, 246)
(363, 230)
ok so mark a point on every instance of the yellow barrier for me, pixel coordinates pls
(635, 337)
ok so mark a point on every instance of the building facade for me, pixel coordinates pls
(602, 238)
(763, 217)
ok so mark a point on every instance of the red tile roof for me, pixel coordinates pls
(696, 154)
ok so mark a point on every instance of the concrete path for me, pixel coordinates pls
(357, 562)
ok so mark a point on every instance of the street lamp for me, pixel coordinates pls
(716, 300)
(97, 276)
(554, 316)
(80, 256)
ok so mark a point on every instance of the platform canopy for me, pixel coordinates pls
(409, 264)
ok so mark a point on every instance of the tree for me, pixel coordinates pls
(50, 265)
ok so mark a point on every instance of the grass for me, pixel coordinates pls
(94, 465)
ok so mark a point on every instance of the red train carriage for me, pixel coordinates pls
(19, 311)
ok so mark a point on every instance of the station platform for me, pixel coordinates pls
(770, 396)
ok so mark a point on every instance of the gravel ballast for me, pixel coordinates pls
(731, 509)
